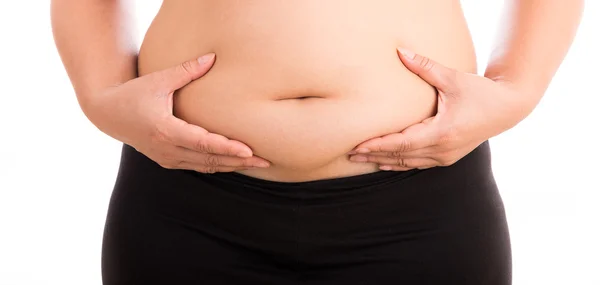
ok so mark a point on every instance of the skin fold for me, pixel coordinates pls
(303, 83)
(300, 85)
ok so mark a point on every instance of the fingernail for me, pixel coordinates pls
(244, 153)
(407, 53)
(363, 150)
(261, 164)
(359, 158)
(385, 167)
(206, 58)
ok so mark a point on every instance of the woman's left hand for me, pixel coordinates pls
(470, 110)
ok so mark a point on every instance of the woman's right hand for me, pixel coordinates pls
(140, 113)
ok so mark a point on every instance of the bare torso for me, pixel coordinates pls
(303, 82)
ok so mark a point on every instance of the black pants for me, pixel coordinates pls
(443, 225)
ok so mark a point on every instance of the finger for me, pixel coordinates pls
(200, 140)
(400, 168)
(411, 154)
(429, 70)
(206, 169)
(177, 77)
(190, 157)
(394, 168)
(398, 161)
(415, 137)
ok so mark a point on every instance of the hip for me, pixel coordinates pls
(386, 225)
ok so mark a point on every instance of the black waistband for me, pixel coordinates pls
(340, 183)
(478, 158)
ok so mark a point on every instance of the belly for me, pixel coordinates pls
(303, 82)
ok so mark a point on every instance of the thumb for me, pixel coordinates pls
(415, 137)
(178, 76)
(421, 135)
(437, 75)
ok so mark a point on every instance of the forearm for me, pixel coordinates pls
(95, 41)
(533, 41)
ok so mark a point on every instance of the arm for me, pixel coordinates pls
(533, 41)
(95, 41)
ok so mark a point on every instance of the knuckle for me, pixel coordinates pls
(426, 63)
(208, 169)
(187, 68)
(201, 146)
(396, 153)
(211, 160)
(401, 162)
(403, 146)
(400, 148)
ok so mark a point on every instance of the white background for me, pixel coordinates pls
(57, 170)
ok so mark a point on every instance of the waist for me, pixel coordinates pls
(303, 83)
